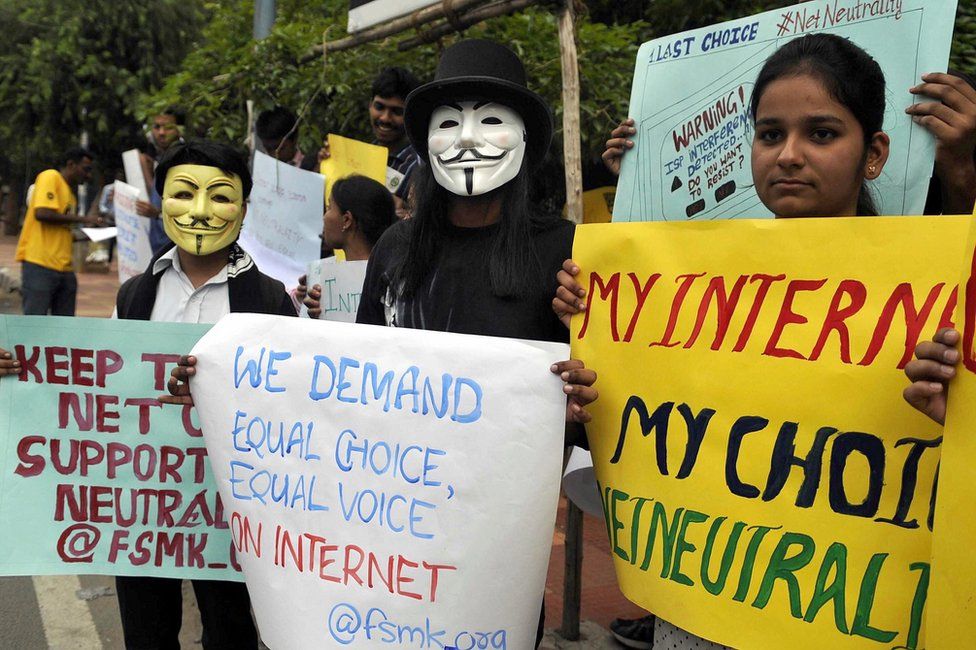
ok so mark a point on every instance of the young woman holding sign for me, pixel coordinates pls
(818, 108)
(358, 211)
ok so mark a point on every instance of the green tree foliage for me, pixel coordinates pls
(229, 68)
(218, 78)
(964, 42)
(72, 65)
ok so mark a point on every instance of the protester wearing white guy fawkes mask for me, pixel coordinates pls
(476, 258)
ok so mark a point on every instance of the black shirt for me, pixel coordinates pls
(456, 296)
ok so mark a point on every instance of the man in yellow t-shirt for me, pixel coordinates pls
(48, 281)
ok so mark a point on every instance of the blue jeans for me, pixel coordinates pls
(47, 291)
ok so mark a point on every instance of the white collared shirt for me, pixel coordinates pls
(178, 302)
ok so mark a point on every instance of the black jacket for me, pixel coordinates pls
(249, 290)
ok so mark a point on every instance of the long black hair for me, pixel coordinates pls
(370, 203)
(849, 75)
(514, 267)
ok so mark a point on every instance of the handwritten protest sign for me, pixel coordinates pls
(762, 476)
(348, 157)
(952, 605)
(383, 482)
(691, 97)
(342, 286)
(133, 250)
(284, 219)
(96, 476)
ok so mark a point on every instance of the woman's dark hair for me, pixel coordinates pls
(370, 203)
(513, 263)
(849, 75)
(204, 152)
(394, 82)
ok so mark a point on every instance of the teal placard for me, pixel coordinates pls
(97, 477)
(691, 159)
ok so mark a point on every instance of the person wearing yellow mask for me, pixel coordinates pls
(205, 275)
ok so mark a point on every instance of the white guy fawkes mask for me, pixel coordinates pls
(475, 147)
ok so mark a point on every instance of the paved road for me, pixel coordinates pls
(72, 613)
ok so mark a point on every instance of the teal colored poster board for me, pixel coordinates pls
(96, 476)
(691, 93)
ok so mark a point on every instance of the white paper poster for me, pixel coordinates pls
(133, 173)
(369, 13)
(284, 219)
(100, 234)
(132, 248)
(384, 485)
(342, 287)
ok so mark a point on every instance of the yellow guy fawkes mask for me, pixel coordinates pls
(203, 208)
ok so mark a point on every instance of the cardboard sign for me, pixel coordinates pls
(383, 482)
(762, 477)
(691, 96)
(952, 605)
(342, 287)
(284, 219)
(133, 249)
(348, 157)
(96, 476)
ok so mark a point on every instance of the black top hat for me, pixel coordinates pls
(480, 70)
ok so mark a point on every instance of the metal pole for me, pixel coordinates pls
(264, 18)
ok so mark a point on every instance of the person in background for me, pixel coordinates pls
(48, 282)
(277, 131)
(386, 108)
(357, 213)
(166, 131)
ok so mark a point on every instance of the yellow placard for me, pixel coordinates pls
(952, 605)
(348, 156)
(598, 204)
(763, 480)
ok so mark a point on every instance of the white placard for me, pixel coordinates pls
(382, 479)
(132, 164)
(342, 287)
(132, 249)
(100, 234)
(367, 13)
(284, 219)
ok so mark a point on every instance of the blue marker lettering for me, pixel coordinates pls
(314, 391)
(475, 413)
(344, 363)
(272, 371)
(252, 369)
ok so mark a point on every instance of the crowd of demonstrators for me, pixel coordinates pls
(475, 257)
(48, 282)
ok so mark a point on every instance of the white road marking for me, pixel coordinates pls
(67, 620)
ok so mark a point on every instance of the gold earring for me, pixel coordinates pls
(871, 169)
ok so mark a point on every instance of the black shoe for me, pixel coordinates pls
(636, 633)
